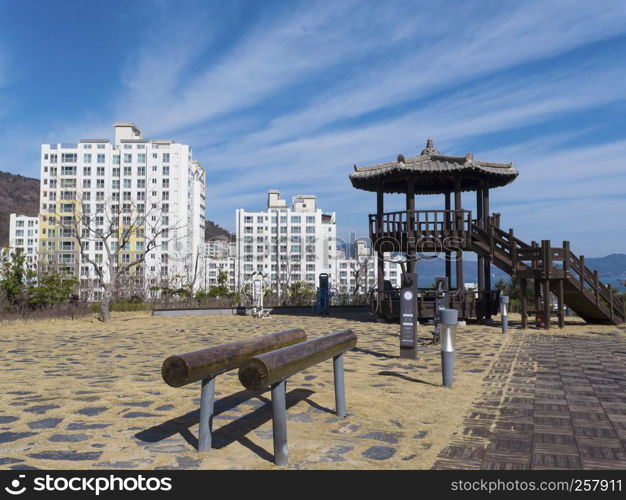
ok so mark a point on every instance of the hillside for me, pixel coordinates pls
(19, 195)
(212, 230)
(611, 269)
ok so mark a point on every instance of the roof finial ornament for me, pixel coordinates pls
(430, 149)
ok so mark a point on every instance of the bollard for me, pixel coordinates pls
(449, 319)
(504, 302)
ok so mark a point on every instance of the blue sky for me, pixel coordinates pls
(289, 95)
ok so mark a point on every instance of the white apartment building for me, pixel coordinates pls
(153, 184)
(213, 261)
(363, 261)
(285, 243)
(24, 235)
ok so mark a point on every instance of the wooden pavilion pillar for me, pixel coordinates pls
(459, 228)
(523, 303)
(487, 261)
(546, 271)
(380, 208)
(448, 254)
(480, 264)
(410, 208)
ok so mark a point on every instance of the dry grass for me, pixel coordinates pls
(73, 365)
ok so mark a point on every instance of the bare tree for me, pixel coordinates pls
(112, 229)
(192, 266)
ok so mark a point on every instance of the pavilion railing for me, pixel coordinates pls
(420, 223)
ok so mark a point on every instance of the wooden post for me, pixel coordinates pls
(448, 254)
(513, 252)
(487, 262)
(582, 273)
(480, 264)
(610, 300)
(410, 208)
(537, 286)
(547, 268)
(546, 303)
(380, 208)
(523, 303)
(459, 227)
(561, 300)
(596, 286)
(479, 205)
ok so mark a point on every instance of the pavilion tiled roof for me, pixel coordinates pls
(433, 173)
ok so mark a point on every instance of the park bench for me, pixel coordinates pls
(206, 364)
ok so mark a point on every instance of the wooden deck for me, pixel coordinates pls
(549, 402)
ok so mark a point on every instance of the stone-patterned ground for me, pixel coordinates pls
(82, 394)
(551, 401)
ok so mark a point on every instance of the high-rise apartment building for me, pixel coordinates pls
(24, 235)
(152, 186)
(286, 244)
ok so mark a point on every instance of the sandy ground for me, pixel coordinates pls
(83, 394)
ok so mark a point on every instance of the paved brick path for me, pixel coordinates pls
(550, 402)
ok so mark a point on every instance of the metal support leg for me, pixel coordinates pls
(340, 391)
(279, 423)
(207, 398)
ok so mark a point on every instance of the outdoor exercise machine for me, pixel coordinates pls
(323, 294)
(272, 369)
(257, 297)
(206, 364)
(441, 302)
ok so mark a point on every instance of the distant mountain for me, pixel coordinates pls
(212, 230)
(18, 195)
(611, 269)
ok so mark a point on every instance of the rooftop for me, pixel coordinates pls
(432, 173)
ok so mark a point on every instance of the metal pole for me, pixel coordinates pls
(504, 302)
(207, 398)
(449, 320)
(279, 423)
(340, 388)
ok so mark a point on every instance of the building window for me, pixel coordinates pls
(69, 157)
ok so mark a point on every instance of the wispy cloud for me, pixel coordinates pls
(291, 95)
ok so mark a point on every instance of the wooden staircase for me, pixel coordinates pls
(556, 269)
